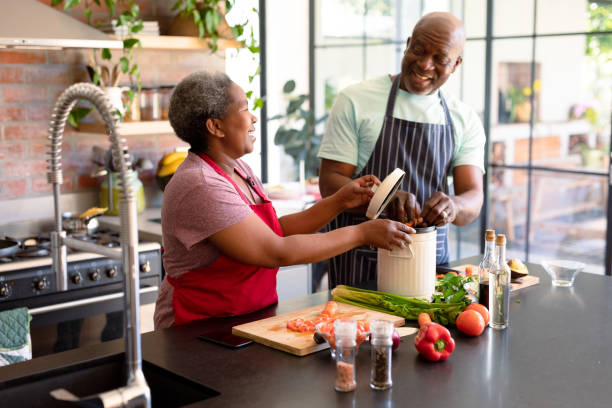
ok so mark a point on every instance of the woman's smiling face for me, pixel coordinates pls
(239, 123)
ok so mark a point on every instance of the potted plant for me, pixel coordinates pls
(297, 133)
(208, 16)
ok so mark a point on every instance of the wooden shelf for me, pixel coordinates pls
(131, 128)
(171, 42)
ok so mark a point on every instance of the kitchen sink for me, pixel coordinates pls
(104, 374)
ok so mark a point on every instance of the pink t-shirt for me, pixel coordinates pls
(198, 202)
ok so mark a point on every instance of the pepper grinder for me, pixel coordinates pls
(381, 344)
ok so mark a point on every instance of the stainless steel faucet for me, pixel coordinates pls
(136, 392)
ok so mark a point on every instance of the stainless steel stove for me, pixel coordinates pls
(95, 289)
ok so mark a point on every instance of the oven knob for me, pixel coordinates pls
(146, 267)
(39, 285)
(76, 279)
(112, 272)
(95, 275)
(4, 290)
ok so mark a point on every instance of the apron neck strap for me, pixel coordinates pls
(248, 179)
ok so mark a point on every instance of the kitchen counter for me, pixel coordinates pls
(555, 354)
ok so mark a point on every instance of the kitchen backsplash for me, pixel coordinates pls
(31, 81)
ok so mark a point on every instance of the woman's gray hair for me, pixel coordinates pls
(198, 97)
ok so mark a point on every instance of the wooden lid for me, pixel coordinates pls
(490, 235)
(501, 240)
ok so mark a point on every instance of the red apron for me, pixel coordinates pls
(227, 287)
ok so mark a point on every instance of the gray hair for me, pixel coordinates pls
(198, 97)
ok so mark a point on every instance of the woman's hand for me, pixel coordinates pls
(356, 192)
(386, 234)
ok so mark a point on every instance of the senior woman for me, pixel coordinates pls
(223, 242)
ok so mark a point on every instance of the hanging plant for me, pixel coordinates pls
(209, 21)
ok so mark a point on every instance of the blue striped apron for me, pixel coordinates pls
(424, 151)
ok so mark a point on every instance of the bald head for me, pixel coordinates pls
(433, 52)
(444, 22)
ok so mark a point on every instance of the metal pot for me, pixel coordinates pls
(76, 225)
(8, 247)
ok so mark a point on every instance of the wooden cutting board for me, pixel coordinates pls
(515, 285)
(273, 331)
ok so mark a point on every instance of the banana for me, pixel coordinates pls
(170, 168)
(170, 157)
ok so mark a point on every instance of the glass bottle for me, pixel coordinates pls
(488, 260)
(499, 287)
(381, 343)
(345, 331)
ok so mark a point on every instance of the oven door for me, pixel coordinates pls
(77, 318)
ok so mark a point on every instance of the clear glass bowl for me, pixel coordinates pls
(331, 338)
(563, 272)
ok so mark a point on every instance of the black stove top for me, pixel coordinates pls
(39, 246)
(29, 271)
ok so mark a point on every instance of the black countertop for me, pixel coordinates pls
(554, 354)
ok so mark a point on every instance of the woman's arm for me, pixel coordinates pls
(354, 193)
(251, 241)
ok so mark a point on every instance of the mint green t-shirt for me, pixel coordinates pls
(357, 117)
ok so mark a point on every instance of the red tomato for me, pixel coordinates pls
(482, 309)
(470, 322)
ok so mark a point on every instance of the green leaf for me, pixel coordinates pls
(136, 28)
(55, 3)
(96, 78)
(106, 54)
(125, 64)
(134, 69)
(111, 7)
(70, 4)
(253, 48)
(197, 17)
(248, 94)
(209, 20)
(130, 42)
(77, 114)
(289, 86)
(258, 103)
(87, 14)
(201, 29)
(177, 5)
(97, 2)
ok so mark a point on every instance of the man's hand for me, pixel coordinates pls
(356, 192)
(404, 207)
(439, 210)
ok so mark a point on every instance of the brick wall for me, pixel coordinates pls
(31, 81)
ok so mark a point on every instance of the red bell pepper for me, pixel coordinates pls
(434, 342)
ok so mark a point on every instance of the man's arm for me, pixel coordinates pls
(469, 195)
(464, 206)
